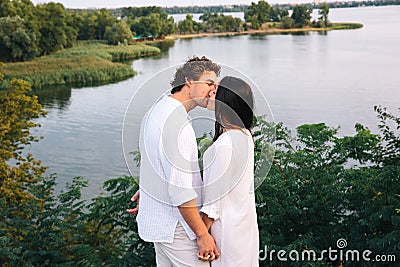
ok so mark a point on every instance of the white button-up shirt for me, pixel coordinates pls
(169, 170)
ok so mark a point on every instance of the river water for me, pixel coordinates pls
(334, 77)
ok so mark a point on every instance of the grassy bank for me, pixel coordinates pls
(271, 28)
(86, 63)
(346, 26)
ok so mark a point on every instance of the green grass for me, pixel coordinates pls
(86, 63)
(346, 26)
(112, 52)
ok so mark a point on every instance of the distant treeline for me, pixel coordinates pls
(28, 31)
(243, 8)
(205, 9)
(364, 3)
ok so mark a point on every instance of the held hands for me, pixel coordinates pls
(207, 249)
(135, 197)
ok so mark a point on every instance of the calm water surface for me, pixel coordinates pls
(335, 77)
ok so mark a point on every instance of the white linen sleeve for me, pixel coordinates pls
(218, 179)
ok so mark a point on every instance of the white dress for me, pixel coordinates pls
(228, 198)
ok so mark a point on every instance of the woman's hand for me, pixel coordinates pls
(134, 198)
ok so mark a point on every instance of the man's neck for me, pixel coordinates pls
(186, 102)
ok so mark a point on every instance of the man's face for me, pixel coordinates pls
(200, 90)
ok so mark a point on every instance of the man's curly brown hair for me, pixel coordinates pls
(192, 70)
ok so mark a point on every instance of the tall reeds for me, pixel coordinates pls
(85, 63)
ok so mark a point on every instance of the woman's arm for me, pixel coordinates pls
(207, 221)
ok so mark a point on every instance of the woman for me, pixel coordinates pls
(228, 170)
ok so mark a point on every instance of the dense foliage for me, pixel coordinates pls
(34, 30)
(321, 187)
(261, 12)
(154, 25)
(220, 22)
(17, 41)
(301, 15)
(28, 31)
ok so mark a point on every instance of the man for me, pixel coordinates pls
(170, 180)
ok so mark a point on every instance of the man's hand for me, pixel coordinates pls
(134, 198)
(207, 249)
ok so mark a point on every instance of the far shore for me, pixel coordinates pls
(335, 26)
(92, 62)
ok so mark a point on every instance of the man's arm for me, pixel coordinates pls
(205, 241)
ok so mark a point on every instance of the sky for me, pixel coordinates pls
(138, 3)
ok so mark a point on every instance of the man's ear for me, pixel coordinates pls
(187, 82)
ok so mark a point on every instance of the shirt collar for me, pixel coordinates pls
(176, 103)
(173, 101)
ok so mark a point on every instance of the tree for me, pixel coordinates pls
(287, 22)
(89, 26)
(17, 110)
(19, 171)
(46, 28)
(198, 26)
(52, 28)
(13, 8)
(22, 8)
(219, 22)
(119, 33)
(277, 14)
(73, 24)
(209, 21)
(323, 15)
(186, 25)
(141, 26)
(257, 14)
(136, 12)
(301, 15)
(17, 42)
(155, 25)
(373, 195)
(233, 24)
(104, 19)
(167, 24)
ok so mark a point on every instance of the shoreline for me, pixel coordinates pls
(92, 62)
(335, 26)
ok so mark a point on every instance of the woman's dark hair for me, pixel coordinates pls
(193, 68)
(234, 105)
